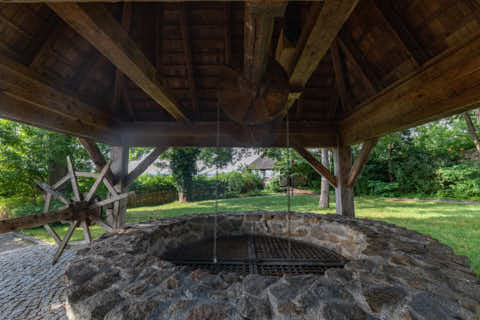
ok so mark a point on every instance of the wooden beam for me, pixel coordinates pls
(24, 84)
(259, 20)
(358, 68)
(344, 196)
(340, 80)
(231, 134)
(142, 166)
(96, 24)
(187, 49)
(448, 84)
(37, 220)
(97, 158)
(227, 33)
(406, 38)
(318, 34)
(316, 165)
(361, 160)
(119, 91)
(21, 111)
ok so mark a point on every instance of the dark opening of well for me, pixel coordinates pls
(255, 254)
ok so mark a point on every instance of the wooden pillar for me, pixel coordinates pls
(342, 157)
(116, 216)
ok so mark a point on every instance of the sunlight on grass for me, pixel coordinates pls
(457, 225)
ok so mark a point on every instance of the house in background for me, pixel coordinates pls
(264, 165)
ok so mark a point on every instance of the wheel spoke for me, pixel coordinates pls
(73, 179)
(64, 242)
(55, 194)
(86, 231)
(98, 181)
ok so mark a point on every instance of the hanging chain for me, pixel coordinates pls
(289, 187)
(216, 187)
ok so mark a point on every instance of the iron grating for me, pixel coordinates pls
(262, 255)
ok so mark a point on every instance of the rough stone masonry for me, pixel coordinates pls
(392, 273)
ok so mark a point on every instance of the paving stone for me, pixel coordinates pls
(30, 287)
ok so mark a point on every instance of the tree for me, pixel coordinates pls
(29, 153)
(325, 189)
(472, 130)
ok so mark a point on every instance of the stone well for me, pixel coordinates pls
(390, 273)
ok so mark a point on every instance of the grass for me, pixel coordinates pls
(457, 225)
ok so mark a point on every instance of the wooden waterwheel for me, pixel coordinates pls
(83, 210)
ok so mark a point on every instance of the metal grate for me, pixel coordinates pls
(258, 255)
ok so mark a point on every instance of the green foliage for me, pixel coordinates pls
(460, 181)
(28, 154)
(148, 183)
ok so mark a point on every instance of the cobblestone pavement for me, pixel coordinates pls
(30, 287)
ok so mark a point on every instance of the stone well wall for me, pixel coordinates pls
(393, 273)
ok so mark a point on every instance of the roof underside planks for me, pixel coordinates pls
(425, 69)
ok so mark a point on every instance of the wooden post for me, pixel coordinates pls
(342, 158)
(116, 217)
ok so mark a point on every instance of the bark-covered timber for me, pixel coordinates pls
(78, 212)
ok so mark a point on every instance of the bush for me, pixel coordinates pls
(383, 188)
(149, 183)
(274, 185)
(461, 181)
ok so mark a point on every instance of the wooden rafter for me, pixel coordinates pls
(316, 165)
(318, 33)
(340, 77)
(187, 48)
(119, 92)
(227, 32)
(358, 68)
(142, 166)
(360, 162)
(97, 25)
(406, 38)
(24, 84)
(447, 85)
(258, 29)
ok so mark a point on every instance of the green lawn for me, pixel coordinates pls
(457, 225)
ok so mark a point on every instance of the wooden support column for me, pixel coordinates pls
(342, 157)
(116, 216)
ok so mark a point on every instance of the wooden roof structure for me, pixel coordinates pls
(148, 74)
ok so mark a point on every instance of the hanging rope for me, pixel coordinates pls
(216, 187)
(289, 187)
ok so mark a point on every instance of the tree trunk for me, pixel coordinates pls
(390, 165)
(324, 193)
(182, 195)
(472, 130)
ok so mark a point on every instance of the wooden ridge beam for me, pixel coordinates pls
(401, 31)
(187, 48)
(316, 165)
(446, 85)
(144, 164)
(361, 160)
(96, 24)
(24, 84)
(97, 157)
(21, 111)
